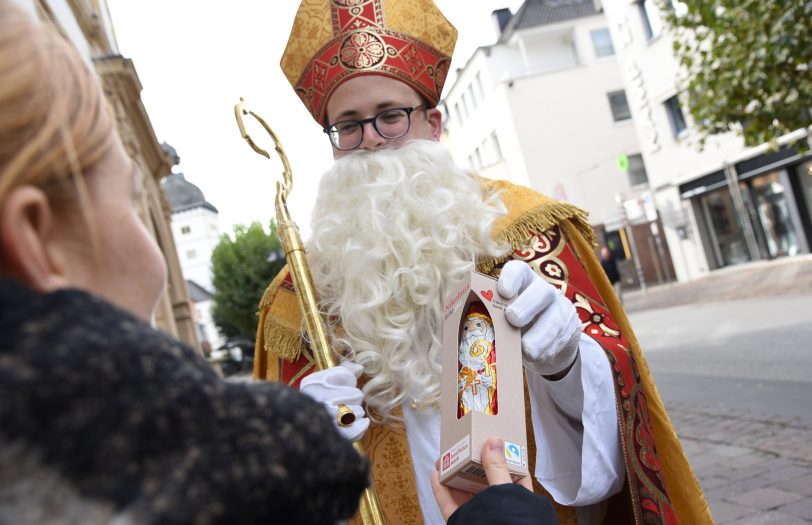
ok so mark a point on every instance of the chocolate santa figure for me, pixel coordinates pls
(476, 379)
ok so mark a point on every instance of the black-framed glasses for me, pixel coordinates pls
(390, 124)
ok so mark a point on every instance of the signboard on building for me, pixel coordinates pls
(641, 208)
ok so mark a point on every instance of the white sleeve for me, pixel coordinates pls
(579, 459)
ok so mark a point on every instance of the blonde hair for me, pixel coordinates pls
(54, 121)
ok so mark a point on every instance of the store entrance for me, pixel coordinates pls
(766, 201)
(726, 234)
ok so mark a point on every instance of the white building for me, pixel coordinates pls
(546, 107)
(196, 231)
(194, 226)
(721, 206)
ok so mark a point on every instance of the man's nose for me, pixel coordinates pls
(372, 139)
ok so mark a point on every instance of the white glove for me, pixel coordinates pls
(337, 386)
(550, 325)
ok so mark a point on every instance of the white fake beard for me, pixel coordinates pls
(394, 230)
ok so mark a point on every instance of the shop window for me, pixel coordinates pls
(805, 178)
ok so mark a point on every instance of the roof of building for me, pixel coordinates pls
(534, 13)
(197, 293)
(183, 195)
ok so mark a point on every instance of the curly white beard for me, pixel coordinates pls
(393, 231)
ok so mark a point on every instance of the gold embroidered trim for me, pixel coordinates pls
(540, 220)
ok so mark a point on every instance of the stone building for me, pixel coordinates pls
(88, 26)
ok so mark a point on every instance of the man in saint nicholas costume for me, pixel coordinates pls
(397, 224)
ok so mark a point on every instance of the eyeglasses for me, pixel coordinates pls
(390, 124)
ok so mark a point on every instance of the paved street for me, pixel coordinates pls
(732, 357)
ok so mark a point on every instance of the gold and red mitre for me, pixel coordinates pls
(334, 40)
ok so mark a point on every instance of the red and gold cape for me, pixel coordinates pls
(556, 240)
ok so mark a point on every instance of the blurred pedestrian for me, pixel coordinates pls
(102, 418)
(609, 265)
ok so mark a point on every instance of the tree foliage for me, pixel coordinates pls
(747, 65)
(242, 268)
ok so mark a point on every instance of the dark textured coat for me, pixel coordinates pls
(103, 419)
(506, 504)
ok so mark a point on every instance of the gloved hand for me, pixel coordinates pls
(550, 325)
(336, 386)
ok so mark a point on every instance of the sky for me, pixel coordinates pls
(196, 59)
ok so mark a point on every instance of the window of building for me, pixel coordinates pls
(497, 149)
(191, 254)
(465, 107)
(676, 116)
(458, 112)
(479, 88)
(185, 230)
(602, 43)
(637, 170)
(478, 155)
(652, 21)
(619, 106)
(487, 154)
(472, 96)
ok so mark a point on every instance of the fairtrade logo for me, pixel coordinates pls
(513, 454)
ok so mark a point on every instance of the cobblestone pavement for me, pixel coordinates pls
(755, 468)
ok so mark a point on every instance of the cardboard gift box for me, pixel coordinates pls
(482, 392)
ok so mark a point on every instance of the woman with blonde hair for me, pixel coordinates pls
(102, 418)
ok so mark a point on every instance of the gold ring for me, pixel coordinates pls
(346, 416)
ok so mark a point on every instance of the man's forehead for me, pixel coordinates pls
(365, 94)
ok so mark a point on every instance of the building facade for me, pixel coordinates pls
(88, 26)
(546, 106)
(723, 205)
(195, 227)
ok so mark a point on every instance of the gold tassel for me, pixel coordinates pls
(278, 334)
(281, 341)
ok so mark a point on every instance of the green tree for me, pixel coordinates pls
(747, 65)
(242, 267)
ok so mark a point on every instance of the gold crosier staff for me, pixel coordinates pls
(371, 513)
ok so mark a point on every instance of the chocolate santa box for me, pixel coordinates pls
(482, 392)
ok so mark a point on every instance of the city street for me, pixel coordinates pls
(732, 358)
